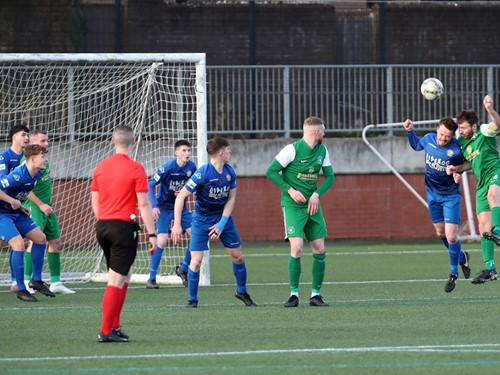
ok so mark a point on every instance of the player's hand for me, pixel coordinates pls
(457, 177)
(408, 125)
(15, 204)
(487, 102)
(214, 232)
(46, 209)
(450, 169)
(156, 213)
(313, 204)
(152, 245)
(296, 195)
(176, 233)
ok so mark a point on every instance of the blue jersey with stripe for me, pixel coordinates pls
(9, 160)
(171, 178)
(436, 159)
(211, 188)
(17, 184)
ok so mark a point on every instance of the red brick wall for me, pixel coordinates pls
(357, 207)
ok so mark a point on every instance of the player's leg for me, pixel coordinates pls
(232, 242)
(295, 220)
(198, 245)
(451, 210)
(493, 233)
(163, 226)
(435, 203)
(181, 269)
(41, 220)
(119, 244)
(194, 277)
(37, 237)
(315, 232)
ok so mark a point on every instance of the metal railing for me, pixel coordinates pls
(273, 101)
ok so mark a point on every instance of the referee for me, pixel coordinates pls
(119, 187)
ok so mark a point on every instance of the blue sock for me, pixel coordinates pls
(18, 268)
(454, 251)
(445, 242)
(461, 257)
(155, 262)
(187, 259)
(193, 281)
(37, 254)
(240, 273)
(12, 274)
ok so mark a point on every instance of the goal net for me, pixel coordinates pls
(79, 99)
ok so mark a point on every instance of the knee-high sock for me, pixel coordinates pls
(110, 305)
(454, 252)
(120, 303)
(18, 268)
(444, 240)
(54, 260)
(193, 281)
(37, 254)
(12, 273)
(495, 219)
(240, 273)
(487, 250)
(155, 262)
(294, 269)
(28, 265)
(187, 259)
(318, 272)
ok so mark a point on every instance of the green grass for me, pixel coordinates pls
(388, 315)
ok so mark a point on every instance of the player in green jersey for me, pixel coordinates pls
(39, 202)
(295, 170)
(479, 147)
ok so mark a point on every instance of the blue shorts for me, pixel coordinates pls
(12, 225)
(166, 217)
(200, 228)
(444, 208)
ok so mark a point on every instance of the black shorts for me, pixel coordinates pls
(118, 240)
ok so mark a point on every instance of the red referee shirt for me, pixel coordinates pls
(118, 179)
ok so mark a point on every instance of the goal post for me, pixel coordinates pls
(79, 99)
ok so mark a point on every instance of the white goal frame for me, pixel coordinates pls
(153, 60)
(470, 224)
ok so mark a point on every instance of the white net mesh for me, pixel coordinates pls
(80, 103)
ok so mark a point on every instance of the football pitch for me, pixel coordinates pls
(388, 314)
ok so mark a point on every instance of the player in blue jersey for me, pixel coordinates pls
(443, 190)
(171, 177)
(10, 159)
(215, 186)
(16, 224)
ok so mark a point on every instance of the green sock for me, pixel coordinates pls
(294, 269)
(54, 260)
(495, 218)
(28, 266)
(318, 272)
(487, 251)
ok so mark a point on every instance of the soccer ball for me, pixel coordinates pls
(432, 88)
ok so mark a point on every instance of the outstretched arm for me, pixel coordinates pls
(494, 126)
(413, 140)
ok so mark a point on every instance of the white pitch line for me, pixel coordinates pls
(469, 348)
(248, 254)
